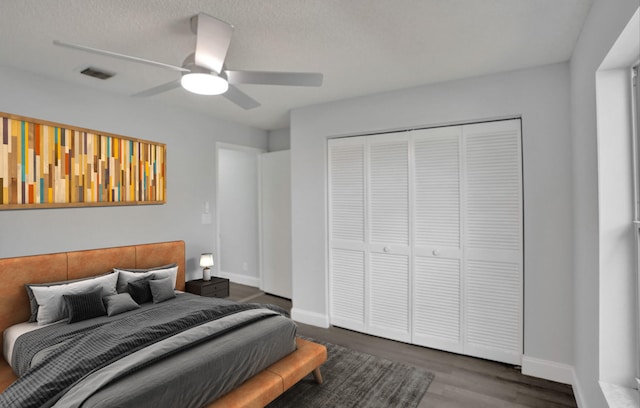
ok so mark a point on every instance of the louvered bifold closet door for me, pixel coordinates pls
(493, 258)
(437, 241)
(388, 229)
(347, 232)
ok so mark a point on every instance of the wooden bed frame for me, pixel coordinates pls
(256, 392)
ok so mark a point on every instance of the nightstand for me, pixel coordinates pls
(216, 287)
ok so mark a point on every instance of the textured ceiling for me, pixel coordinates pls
(361, 46)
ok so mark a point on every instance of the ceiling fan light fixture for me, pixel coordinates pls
(204, 83)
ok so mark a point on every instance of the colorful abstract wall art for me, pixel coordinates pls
(45, 164)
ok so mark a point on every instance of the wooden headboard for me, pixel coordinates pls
(16, 272)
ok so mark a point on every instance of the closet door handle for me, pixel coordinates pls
(435, 252)
(386, 249)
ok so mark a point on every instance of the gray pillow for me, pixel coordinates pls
(162, 289)
(120, 303)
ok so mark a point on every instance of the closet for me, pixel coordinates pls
(425, 237)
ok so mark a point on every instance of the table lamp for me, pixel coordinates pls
(206, 261)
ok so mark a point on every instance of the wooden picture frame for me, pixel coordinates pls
(48, 165)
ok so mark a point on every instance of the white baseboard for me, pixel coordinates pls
(311, 318)
(549, 370)
(577, 390)
(241, 279)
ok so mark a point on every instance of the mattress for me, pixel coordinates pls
(197, 374)
(11, 334)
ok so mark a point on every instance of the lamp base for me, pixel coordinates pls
(206, 274)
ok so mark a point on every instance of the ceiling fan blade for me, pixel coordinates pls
(158, 89)
(240, 98)
(274, 78)
(117, 55)
(213, 37)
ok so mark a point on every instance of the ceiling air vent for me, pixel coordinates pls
(96, 73)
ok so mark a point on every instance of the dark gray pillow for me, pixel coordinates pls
(120, 303)
(85, 305)
(140, 290)
(162, 289)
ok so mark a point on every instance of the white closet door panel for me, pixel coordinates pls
(346, 191)
(389, 192)
(493, 241)
(389, 296)
(436, 304)
(347, 288)
(493, 177)
(437, 187)
(493, 303)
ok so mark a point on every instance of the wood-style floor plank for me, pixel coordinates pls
(460, 381)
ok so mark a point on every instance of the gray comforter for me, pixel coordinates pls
(51, 361)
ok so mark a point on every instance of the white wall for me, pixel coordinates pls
(190, 140)
(617, 233)
(605, 22)
(238, 189)
(541, 97)
(279, 139)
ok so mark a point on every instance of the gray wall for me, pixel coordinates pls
(541, 97)
(190, 140)
(604, 24)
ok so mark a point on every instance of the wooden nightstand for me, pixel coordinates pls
(216, 287)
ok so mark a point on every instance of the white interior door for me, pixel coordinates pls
(276, 223)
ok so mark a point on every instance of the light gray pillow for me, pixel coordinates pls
(127, 275)
(119, 303)
(162, 289)
(51, 305)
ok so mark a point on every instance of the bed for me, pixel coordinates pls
(252, 383)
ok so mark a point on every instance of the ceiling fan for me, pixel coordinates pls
(204, 72)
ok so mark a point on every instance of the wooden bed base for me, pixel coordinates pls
(256, 392)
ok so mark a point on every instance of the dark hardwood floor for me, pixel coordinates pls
(460, 381)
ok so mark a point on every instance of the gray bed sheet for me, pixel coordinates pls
(204, 372)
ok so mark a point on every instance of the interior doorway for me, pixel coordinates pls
(238, 213)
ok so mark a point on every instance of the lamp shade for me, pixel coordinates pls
(206, 260)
